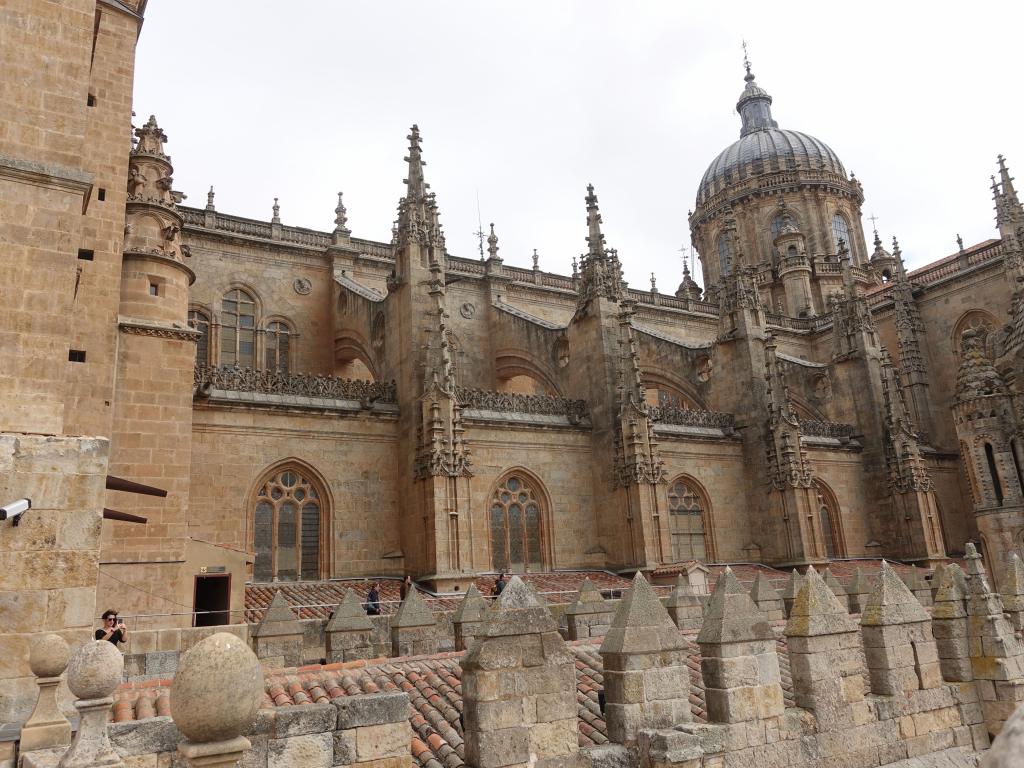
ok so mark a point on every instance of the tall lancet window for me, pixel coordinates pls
(516, 526)
(287, 530)
(841, 231)
(724, 255)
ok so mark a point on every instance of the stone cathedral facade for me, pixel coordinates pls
(319, 405)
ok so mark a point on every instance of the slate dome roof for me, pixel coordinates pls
(763, 147)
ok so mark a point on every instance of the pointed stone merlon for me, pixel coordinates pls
(46, 727)
(1012, 590)
(349, 631)
(917, 584)
(826, 657)
(767, 598)
(949, 625)
(684, 605)
(589, 615)
(739, 661)
(469, 618)
(646, 681)
(519, 688)
(899, 648)
(997, 659)
(277, 639)
(413, 627)
(857, 591)
(796, 580)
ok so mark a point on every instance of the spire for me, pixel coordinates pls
(595, 240)
(151, 139)
(341, 219)
(209, 200)
(492, 244)
(754, 105)
(1009, 193)
(415, 186)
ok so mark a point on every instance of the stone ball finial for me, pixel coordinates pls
(95, 670)
(217, 689)
(49, 656)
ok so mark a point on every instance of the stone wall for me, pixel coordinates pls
(49, 560)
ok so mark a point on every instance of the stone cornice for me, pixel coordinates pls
(161, 258)
(52, 176)
(147, 328)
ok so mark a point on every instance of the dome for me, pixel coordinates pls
(763, 147)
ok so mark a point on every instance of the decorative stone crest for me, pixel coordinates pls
(302, 286)
(467, 310)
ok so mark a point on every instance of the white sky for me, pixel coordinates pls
(526, 102)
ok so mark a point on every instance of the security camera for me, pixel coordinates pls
(15, 509)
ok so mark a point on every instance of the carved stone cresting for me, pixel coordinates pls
(230, 379)
(514, 402)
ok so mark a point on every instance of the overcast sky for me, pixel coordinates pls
(523, 103)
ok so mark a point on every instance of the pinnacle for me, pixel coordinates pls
(278, 619)
(413, 612)
(817, 610)
(891, 602)
(763, 589)
(833, 583)
(472, 607)
(349, 614)
(951, 584)
(796, 581)
(731, 615)
(1013, 580)
(589, 593)
(640, 607)
(860, 584)
(518, 611)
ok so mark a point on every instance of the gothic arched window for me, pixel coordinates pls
(841, 231)
(515, 519)
(238, 329)
(199, 321)
(277, 347)
(830, 521)
(724, 256)
(287, 529)
(686, 510)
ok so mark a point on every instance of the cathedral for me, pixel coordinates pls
(320, 406)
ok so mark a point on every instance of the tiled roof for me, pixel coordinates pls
(316, 599)
(433, 684)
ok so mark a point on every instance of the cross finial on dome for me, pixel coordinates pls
(746, 63)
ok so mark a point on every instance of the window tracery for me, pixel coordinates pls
(686, 509)
(238, 329)
(277, 347)
(515, 522)
(287, 528)
(200, 321)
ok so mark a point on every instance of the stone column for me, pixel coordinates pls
(796, 580)
(469, 618)
(683, 605)
(413, 627)
(519, 688)
(1012, 591)
(857, 591)
(589, 615)
(826, 657)
(949, 625)
(767, 598)
(277, 639)
(646, 681)
(898, 644)
(46, 727)
(996, 654)
(349, 631)
(738, 660)
(93, 675)
(214, 698)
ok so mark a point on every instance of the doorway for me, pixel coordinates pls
(212, 601)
